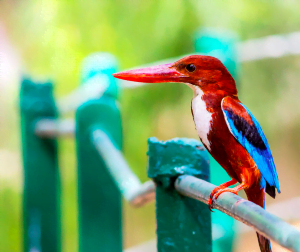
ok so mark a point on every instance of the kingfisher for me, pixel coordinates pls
(226, 127)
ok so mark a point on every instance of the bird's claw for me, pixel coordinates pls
(215, 194)
(212, 198)
(211, 201)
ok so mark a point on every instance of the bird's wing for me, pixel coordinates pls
(247, 131)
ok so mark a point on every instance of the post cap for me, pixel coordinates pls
(100, 65)
(178, 156)
(36, 97)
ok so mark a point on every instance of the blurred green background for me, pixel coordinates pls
(49, 39)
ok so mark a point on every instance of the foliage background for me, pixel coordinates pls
(52, 37)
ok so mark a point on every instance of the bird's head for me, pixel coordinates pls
(206, 72)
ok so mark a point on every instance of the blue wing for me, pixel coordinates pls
(247, 131)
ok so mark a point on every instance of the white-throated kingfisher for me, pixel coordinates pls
(227, 129)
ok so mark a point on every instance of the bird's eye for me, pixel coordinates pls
(190, 67)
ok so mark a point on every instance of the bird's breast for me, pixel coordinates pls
(202, 117)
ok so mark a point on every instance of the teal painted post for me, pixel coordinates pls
(99, 198)
(183, 224)
(41, 208)
(98, 67)
(222, 45)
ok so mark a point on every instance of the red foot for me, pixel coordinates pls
(232, 190)
(216, 189)
(216, 193)
(211, 196)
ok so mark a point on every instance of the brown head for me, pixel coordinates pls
(206, 72)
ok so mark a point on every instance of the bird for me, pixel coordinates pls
(225, 126)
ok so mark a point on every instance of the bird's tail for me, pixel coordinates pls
(257, 196)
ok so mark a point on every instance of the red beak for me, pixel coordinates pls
(155, 74)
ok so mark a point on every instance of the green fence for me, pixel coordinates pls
(178, 168)
(41, 208)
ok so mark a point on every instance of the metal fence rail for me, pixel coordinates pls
(242, 210)
(50, 128)
(129, 184)
(274, 46)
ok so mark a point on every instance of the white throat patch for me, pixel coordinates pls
(202, 117)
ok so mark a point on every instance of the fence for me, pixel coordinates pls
(178, 167)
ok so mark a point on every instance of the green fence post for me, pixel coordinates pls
(41, 208)
(99, 65)
(183, 224)
(222, 45)
(100, 227)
